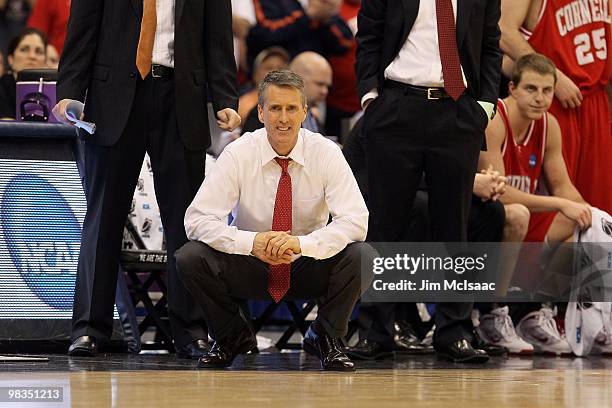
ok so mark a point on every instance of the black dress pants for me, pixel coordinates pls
(111, 174)
(408, 135)
(217, 279)
(486, 224)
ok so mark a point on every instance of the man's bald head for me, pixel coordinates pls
(317, 75)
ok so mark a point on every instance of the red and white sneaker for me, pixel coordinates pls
(540, 330)
(497, 328)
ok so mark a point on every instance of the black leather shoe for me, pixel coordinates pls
(193, 350)
(461, 351)
(492, 350)
(224, 351)
(83, 346)
(328, 350)
(368, 350)
(406, 340)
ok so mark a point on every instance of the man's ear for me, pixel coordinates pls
(260, 113)
(511, 87)
(9, 59)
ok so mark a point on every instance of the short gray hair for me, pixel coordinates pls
(283, 78)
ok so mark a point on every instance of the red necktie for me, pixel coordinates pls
(449, 55)
(279, 276)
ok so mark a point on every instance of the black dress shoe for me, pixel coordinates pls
(492, 350)
(193, 350)
(327, 350)
(368, 350)
(224, 351)
(406, 340)
(461, 351)
(83, 346)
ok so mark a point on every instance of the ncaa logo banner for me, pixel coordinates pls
(42, 207)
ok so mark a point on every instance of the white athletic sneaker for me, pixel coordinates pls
(497, 328)
(603, 343)
(540, 329)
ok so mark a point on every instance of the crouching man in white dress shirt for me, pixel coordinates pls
(280, 183)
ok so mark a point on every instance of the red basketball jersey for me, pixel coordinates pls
(523, 162)
(575, 35)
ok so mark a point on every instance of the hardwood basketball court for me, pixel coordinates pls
(294, 380)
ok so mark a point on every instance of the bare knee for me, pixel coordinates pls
(517, 222)
(561, 229)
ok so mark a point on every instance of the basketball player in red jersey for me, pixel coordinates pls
(575, 35)
(524, 144)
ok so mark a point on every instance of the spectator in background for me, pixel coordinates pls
(342, 101)
(1, 64)
(13, 16)
(26, 51)
(317, 27)
(51, 17)
(243, 18)
(270, 59)
(52, 57)
(317, 75)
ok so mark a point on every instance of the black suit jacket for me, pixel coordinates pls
(99, 63)
(384, 26)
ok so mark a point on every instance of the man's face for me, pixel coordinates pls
(533, 94)
(282, 115)
(317, 84)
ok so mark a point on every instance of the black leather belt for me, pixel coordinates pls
(161, 71)
(430, 93)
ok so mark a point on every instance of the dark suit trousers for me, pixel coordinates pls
(111, 174)
(406, 135)
(376, 320)
(217, 279)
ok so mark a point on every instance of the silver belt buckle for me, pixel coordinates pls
(429, 96)
(153, 74)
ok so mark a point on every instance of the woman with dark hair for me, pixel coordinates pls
(28, 50)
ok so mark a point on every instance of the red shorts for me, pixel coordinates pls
(570, 135)
(539, 224)
(587, 147)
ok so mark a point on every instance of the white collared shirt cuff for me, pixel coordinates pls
(308, 246)
(488, 108)
(373, 94)
(244, 242)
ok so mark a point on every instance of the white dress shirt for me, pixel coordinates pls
(163, 45)
(245, 181)
(418, 61)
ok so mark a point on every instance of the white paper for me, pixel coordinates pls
(74, 111)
